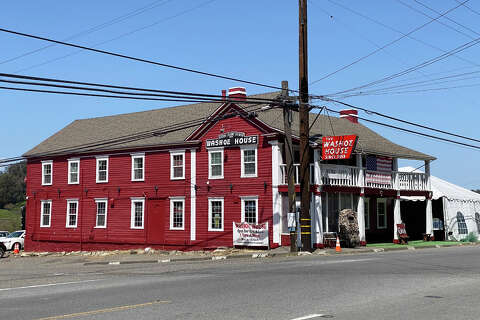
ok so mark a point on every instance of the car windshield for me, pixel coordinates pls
(15, 234)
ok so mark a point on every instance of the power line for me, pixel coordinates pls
(414, 132)
(119, 36)
(138, 59)
(101, 26)
(26, 77)
(414, 68)
(403, 121)
(384, 46)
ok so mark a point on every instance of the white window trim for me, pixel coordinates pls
(250, 198)
(77, 161)
(68, 213)
(104, 200)
(172, 200)
(383, 202)
(137, 156)
(210, 214)
(132, 212)
(209, 162)
(366, 207)
(44, 163)
(242, 160)
(41, 214)
(176, 153)
(96, 174)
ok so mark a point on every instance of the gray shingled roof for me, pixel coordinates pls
(95, 130)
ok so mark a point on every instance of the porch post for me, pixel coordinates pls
(317, 229)
(276, 196)
(361, 202)
(429, 215)
(397, 218)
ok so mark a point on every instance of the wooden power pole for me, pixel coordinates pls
(304, 112)
(290, 174)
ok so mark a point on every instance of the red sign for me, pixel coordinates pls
(338, 147)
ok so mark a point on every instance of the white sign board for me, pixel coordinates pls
(248, 234)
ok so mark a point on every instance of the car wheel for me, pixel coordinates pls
(2, 252)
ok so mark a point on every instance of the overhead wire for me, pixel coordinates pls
(384, 46)
(119, 55)
(93, 29)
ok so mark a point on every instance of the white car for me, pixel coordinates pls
(3, 235)
(13, 238)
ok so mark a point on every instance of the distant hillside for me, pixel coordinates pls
(11, 217)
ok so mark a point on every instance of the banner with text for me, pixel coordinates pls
(338, 147)
(249, 234)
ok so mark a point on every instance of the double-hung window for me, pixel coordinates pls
(102, 169)
(381, 213)
(138, 167)
(215, 164)
(367, 213)
(101, 216)
(249, 162)
(250, 210)
(177, 213)
(462, 226)
(177, 165)
(215, 214)
(45, 213)
(137, 213)
(47, 172)
(72, 213)
(73, 171)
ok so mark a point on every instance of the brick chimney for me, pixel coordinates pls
(237, 93)
(349, 114)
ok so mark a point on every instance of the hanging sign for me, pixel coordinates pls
(231, 139)
(338, 147)
(249, 234)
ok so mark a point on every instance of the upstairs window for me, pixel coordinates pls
(74, 171)
(215, 161)
(215, 214)
(177, 165)
(72, 213)
(138, 167)
(45, 214)
(249, 162)
(102, 169)
(462, 226)
(101, 216)
(137, 213)
(250, 210)
(177, 213)
(47, 172)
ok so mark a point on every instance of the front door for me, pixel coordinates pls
(156, 216)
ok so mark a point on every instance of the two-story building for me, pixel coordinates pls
(95, 185)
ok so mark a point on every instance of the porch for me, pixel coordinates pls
(350, 176)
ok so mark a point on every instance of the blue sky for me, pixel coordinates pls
(253, 40)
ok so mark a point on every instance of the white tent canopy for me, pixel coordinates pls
(461, 207)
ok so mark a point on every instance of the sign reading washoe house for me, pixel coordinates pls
(231, 139)
(338, 147)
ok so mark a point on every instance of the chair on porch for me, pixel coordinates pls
(402, 233)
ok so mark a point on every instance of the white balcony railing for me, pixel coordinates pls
(296, 173)
(348, 176)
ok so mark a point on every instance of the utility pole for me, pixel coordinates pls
(287, 123)
(304, 112)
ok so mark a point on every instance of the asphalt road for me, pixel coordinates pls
(420, 284)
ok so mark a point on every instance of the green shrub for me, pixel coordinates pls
(471, 237)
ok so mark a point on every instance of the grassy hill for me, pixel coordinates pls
(11, 217)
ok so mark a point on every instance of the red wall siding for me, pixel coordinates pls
(120, 189)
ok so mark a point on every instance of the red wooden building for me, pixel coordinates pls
(182, 187)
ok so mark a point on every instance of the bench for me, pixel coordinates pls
(402, 233)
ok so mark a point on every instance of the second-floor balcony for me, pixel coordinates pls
(349, 176)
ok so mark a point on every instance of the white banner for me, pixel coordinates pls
(247, 234)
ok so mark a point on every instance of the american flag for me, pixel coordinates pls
(382, 167)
